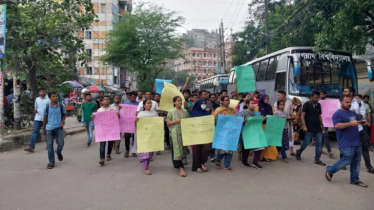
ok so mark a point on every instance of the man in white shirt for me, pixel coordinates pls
(287, 103)
(147, 95)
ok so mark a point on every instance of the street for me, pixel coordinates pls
(79, 182)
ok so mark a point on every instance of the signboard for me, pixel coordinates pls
(2, 30)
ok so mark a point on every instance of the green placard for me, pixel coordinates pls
(253, 135)
(274, 129)
(245, 79)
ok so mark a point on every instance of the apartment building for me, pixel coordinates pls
(201, 38)
(95, 72)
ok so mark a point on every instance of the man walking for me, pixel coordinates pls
(325, 135)
(53, 123)
(88, 108)
(132, 101)
(312, 125)
(39, 107)
(346, 123)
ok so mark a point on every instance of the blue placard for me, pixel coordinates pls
(258, 114)
(227, 132)
(160, 85)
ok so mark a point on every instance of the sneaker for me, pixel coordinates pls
(134, 155)
(213, 159)
(102, 161)
(88, 143)
(318, 162)
(50, 165)
(246, 165)
(126, 155)
(298, 155)
(29, 150)
(60, 157)
(257, 166)
(158, 153)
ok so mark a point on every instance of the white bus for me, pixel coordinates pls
(215, 84)
(300, 70)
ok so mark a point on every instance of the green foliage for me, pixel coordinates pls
(143, 41)
(178, 78)
(42, 43)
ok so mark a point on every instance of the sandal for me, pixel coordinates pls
(218, 165)
(328, 176)
(199, 170)
(29, 150)
(126, 154)
(286, 160)
(293, 154)
(267, 160)
(134, 155)
(102, 161)
(184, 161)
(205, 169)
(108, 158)
(147, 172)
(228, 168)
(371, 170)
(359, 183)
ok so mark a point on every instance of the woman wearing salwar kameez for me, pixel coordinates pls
(173, 121)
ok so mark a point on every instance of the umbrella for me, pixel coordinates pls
(74, 84)
(94, 89)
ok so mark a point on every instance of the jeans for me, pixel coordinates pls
(349, 155)
(227, 156)
(57, 134)
(318, 139)
(89, 128)
(102, 148)
(283, 152)
(325, 140)
(365, 148)
(212, 153)
(127, 140)
(35, 133)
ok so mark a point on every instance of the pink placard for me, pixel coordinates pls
(106, 126)
(127, 120)
(329, 107)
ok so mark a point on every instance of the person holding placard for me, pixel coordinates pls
(249, 111)
(225, 110)
(118, 107)
(105, 107)
(146, 112)
(174, 118)
(325, 134)
(285, 136)
(133, 102)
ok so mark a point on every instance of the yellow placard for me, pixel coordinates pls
(198, 130)
(167, 95)
(233, 103)
(150, 134)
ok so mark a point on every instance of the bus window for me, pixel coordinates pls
(280, 81)
(231, 77)
(255, 67)
(262, 70)
(270, 74)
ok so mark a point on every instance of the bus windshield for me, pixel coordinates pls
(331, 74)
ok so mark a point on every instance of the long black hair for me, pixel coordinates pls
(279, 102)
(247, 103)
(175, 99)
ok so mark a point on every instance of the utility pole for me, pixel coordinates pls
(218, 51)
(267, 37)
(16, 104)
(223, 50)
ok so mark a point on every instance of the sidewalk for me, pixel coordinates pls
(20, 138)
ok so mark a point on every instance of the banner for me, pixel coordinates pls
(150, 134)
(197, 130)
(328, 109)
(106, 126)
(274, 130)
(253, 135)
(127, 120)
(227, 132)
(2, 30)
(160, 85)
(233, 103)
(167, 95)
(245, 79)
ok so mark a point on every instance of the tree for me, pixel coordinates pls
(42, 39)
(177, 78)
(144, 41)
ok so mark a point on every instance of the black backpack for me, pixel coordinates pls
(61, 111)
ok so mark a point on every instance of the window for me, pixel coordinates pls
(103, 8)
(87, 35)
(194, 63)
(88, 70)
(215, 63)
(255, 68)
(262, 70)
(272, 69)
(204, 63)
(89, 54)
(193, 54)
(198, 63)
(280, 81)
(231, 77)
(214, 55)
(204, 55)
(209, 63)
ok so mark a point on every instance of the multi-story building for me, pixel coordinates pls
(95, 72)
(201, 38)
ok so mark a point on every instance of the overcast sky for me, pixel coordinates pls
(207, 14)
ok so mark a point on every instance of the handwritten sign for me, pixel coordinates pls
(197, 130)
(226, 135)
(160, 85)
(233, 103)
(274, 130)
(245, 79)
(106, 126)
(127, 120)
(328, 109)
(150, 134)
(253, 135)
(167, 95)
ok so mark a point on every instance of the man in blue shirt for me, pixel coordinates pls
(53, 127)
(131, 101)
(39, 107)
(346, 123)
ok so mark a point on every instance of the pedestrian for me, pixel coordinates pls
(325, 134)
(99, 100)
(140, 97)
(212, 104)
(53, 128)
(131, 101)
(118, 107)
(346, 123)
(224, 110)
(174, 118)
(188, 105)
(105, 107)
(148, 96)
(285, 134)
(249, 111)
(126, 95)
(297, 109)
(370, 118)
(88, 108)
(146, 111)
(39, 107)
(200, 153)
(313, 126)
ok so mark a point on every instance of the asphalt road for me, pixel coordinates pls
(79, 182)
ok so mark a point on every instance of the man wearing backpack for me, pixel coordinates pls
(53, 123)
